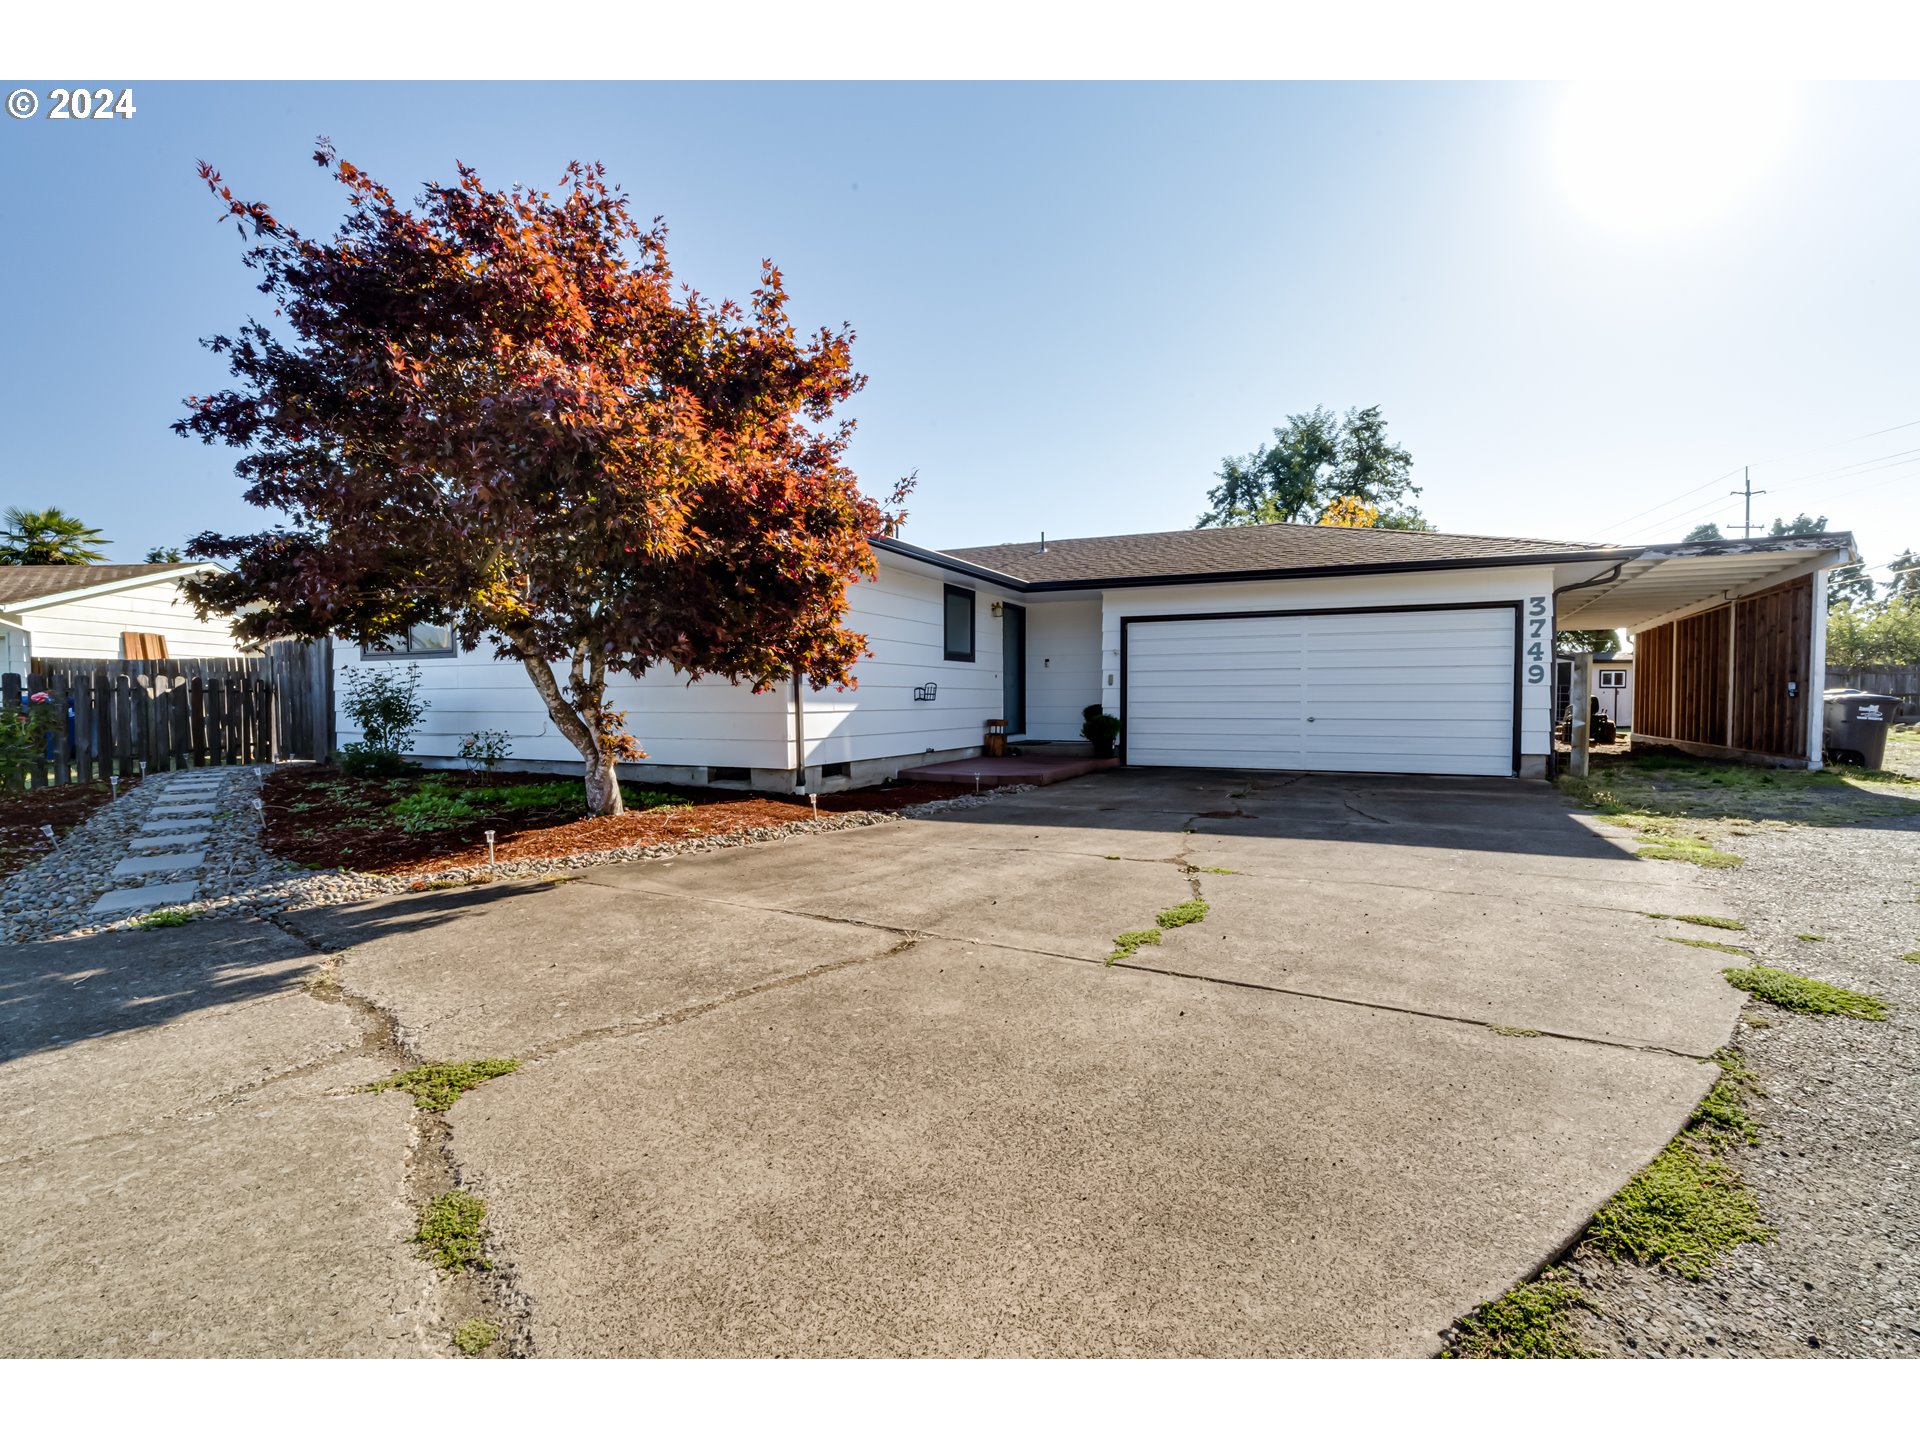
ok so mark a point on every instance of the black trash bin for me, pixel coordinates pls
(1857, 722)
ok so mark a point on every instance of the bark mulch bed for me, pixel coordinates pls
(316, 816)
(23, 812)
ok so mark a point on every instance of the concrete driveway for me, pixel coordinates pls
(876, 1093)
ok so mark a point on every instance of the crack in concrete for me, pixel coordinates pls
(432, 1167)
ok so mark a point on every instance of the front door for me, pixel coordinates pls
(1013, 667)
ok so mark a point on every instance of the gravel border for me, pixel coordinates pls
(1837, 1170)
(48, 900)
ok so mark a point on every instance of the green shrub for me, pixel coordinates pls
(384, 703)
(1100, 729)
(484, 749)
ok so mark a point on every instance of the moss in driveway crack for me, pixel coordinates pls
(436, 1087)
(1707, 945)
(1715, 922)
(452, 1229)
(475, 1336)
(1128, 942)
(1187, 912)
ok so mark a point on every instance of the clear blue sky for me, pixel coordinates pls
(1073, 300)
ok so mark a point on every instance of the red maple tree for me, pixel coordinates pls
(495, 411)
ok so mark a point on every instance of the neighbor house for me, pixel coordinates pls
(1612, 684)
(1282, 647)
(103, 612)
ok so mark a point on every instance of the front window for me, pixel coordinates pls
(959, 623)
(422, 639)
(1613, 679)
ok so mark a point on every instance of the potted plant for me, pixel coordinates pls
(1100, 730)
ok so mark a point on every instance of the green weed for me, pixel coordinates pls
(1518, 1030)
(436, 1087)
(1127, 942)
(1706, 945)
(474, 1336)
(1810, 939)
(164, 920)
(1716, 922)
(1811, 997)
(452, 1230)
(1681, 1213)
(1532, 1321)
(1187, 912)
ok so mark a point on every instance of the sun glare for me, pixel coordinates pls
(1657, 158)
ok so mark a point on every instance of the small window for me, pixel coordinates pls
(959, 618)
(1613, 679)
(421, 639)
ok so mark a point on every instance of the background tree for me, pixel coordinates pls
(165, 555)
(1905, 568)
(1349, 512)
(1588, 642)
(1315, 459)
(494, 412)
(1800, 525)
(48, 537)
(1708, 531)
(1849, 585)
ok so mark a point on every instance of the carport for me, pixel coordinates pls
(1729, 643)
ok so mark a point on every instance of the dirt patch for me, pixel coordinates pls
(318, 817)
(22, 813)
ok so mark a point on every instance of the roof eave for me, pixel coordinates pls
(107, 587)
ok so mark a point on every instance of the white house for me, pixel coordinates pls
(1285, 647)
(103, 612)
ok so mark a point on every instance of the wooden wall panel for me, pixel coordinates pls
(1772, 635)
(1700, 677)
(1653, 682)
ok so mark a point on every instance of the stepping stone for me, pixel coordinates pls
(173, 825)
(180, 812)
(144, 897)
(174, 841)
(159, 864)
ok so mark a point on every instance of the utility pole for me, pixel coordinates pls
(1746, 481)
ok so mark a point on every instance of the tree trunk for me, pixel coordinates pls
(603, 787)
(582, 727)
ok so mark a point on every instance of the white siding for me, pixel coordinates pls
(1522, 584)
(90, 628)
(713, 723)
(1063, 666)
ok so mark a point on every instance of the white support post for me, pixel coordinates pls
(1817, 673)
(1579, 733)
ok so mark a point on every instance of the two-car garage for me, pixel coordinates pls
(1426, 690)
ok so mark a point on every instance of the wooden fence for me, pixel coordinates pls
(113, 715)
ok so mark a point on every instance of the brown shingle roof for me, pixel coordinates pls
(31, 582)
(1235, 549)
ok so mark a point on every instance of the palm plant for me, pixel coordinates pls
(48, 537)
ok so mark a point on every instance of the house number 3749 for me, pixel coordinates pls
(1538, 623)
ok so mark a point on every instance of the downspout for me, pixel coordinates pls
(799, 738)
(1553, 756)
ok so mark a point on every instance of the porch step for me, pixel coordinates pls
(1007, 770)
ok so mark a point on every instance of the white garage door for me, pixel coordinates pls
(1416, 692)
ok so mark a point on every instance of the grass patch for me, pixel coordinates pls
(1811, 997)
(436, 805)
(164, 920)
(1721, 1119)
(1653, 787)
(1128, 942)
(474, 1337)
(1912, 957)
(1707, 945)
(1689, 851)
(452, 1227)
(1512, 1030)
(1715, 922)
(436, 1087)
(1187, 912)
(1529, 1322)
(1681, 1213)
(1215, 870)
(1810, 939)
